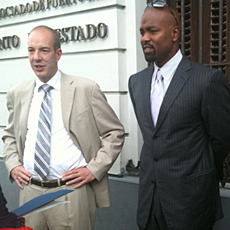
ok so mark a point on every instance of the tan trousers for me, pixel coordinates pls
(79, 214)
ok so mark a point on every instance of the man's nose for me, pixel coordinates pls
(145, 37)
(37, 55)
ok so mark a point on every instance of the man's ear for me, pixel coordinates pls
(58, 54)
(175, 33)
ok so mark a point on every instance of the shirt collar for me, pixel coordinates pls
(54, 81)
(169, 68)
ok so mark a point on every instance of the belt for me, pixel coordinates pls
(48, 184)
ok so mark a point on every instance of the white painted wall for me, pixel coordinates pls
(109, 61)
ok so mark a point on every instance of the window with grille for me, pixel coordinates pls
(206, 37)
(206, 31)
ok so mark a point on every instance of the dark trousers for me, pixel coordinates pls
(166, 228)
(156, 219)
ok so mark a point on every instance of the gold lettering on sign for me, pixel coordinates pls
(67, 34)
(9, 42)
(77, 33)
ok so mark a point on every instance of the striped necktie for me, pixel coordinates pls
(157, 96)
(42, 148)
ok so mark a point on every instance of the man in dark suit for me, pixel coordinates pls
(184, 117)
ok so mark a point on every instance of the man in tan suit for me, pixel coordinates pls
(86, 138)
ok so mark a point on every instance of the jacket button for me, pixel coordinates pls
(155, 159)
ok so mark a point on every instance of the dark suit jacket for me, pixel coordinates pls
(181, 154)
(7, 219)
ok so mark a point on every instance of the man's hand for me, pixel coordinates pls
(80, 176)
(20, 175)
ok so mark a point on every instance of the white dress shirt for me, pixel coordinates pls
(64, 154)
(167, 70)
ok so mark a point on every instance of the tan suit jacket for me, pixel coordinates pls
(88, 118)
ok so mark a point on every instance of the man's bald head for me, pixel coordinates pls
(160, 34)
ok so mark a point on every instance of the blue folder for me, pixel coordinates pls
(39, 202)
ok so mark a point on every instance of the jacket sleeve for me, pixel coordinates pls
(216, 114)
(111, 132)
(10, 151)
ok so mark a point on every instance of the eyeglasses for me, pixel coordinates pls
(161, 4)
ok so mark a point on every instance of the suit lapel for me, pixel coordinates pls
(26, 94)
(147, 79)
(179, 79)
(67, 95)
